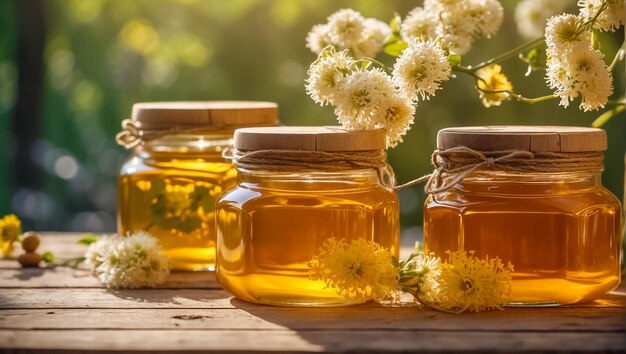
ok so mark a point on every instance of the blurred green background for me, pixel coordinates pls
(70, 71)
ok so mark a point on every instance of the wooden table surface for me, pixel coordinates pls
(67, 310)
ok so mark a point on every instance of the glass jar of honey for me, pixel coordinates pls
(532, 196)
(168, 187)
(285, 206)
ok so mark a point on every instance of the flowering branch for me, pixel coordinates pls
(429, 44)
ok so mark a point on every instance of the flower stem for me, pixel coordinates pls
(506, 55)
(589, 24)
(520, 97)
(606, 116)
(619, 56)
(517, 96)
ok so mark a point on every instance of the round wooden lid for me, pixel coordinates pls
(309, 139)
(527, 138)
(212, 114)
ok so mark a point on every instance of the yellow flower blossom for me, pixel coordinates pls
(361, 270)
(492, 79)
(468, 283)
(10, 231)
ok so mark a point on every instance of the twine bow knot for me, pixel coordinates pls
(130, 136)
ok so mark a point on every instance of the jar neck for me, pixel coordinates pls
(186, 146)
(309, 180)
(528, 183)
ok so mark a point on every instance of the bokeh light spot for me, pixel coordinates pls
(66, 167)
(140, 36)
(85, 11)
(86, 96)
(61, 63)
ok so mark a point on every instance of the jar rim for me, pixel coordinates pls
(563, 139)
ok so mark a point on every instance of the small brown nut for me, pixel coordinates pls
(29, 259)
(30, 241)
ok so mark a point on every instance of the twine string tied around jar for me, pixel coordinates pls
(302, 160)
(132, 135)
(455, 164)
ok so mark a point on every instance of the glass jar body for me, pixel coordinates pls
(168, 188)
(271, 225)
(561, 232)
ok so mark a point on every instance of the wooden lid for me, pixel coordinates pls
(212, 114)
(309, 139)
(527, 138)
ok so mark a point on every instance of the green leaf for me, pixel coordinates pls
(189, 224)
(208, 204)
(48, 257)
(157, 186)
(159, 208)
(169, 223)
(535, 59)
(395, 23)
(87, 239)
(395, 48)
(454, 60)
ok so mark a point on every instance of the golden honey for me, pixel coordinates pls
(561, 231)
(273, 223)
(172, 194)
(169, 185)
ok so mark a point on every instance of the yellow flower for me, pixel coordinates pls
(10, 231)
(468, 283)
(492, 79)
(361, 270)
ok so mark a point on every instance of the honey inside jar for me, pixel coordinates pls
(172, 196)
(273, 223)
(170, 184)
(561, 231)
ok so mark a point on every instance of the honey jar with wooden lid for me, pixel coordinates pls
(297, 188)
(169, 185)
(532, 196)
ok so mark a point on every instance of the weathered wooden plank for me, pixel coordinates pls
(25, 298)
(312, 341)
(103, 298)
(64, 277)
(250, 316)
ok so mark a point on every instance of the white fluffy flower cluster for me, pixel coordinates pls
(132, 261)
(531, 15)
(610, 20)
(368, 98)
(420, 69)
(456, 22)
(348, 29)
(574, 67)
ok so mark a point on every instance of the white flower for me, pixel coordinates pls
(395, 114)
(583, 72)
(419, 24)
(131, 261)
(317, 39)
(531, 15)
(610, 20)
(420, 70)
(374, 36)
(361, 95)
(345, 28)
(487, 16)
(326, 75)
(565, 33)
(456, 28)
